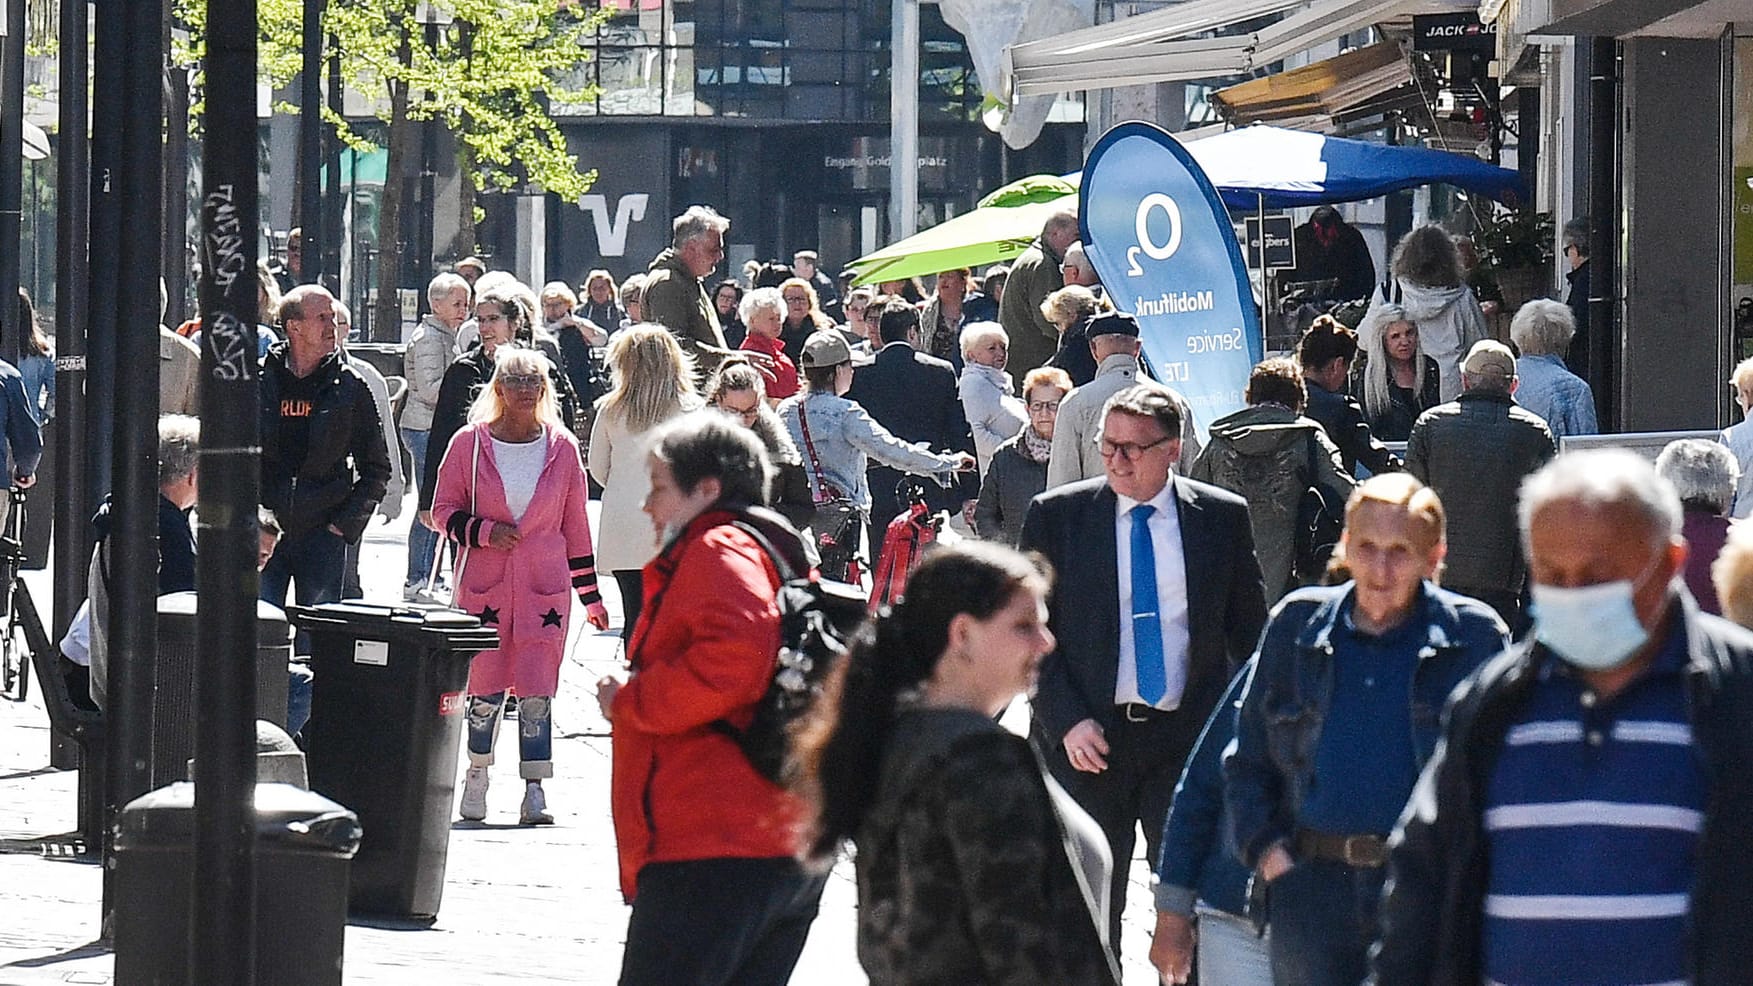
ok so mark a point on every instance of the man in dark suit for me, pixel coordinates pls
(914, 396)
(1159, 599)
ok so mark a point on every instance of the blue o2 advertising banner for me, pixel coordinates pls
(1162, 243)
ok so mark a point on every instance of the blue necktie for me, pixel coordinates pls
(1147, 628)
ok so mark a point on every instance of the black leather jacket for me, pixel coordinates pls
(346, 465)
(1432, 913)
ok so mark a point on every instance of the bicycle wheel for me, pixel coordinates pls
(14, 664)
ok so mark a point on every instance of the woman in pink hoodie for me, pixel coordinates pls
(511, 497)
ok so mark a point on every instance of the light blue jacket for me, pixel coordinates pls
(846, 439)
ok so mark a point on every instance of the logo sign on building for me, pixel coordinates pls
(1453, 32)
(1280, 242)
(1165, 249)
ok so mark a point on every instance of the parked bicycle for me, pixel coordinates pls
(21, 627)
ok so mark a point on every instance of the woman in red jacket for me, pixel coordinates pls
(707, 846)
(511, 497)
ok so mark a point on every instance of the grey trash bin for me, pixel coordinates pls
(173, 702)
(304, 845)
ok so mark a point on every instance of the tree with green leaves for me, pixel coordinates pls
(489, 80)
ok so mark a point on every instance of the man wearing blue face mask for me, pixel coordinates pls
(1586, 820)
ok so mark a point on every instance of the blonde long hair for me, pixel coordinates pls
(654, 377)
(511, 358)
(1372, 338)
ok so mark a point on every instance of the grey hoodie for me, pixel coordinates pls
(1449, 323)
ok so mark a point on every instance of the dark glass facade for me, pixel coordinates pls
(768, 60)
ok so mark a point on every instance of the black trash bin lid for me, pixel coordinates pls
(288, 818)
(438, 629)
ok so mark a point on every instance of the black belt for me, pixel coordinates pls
(1362, 851)
(1139, 712)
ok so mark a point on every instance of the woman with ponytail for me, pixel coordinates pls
(973, 866)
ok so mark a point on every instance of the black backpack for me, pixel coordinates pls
(817, 621)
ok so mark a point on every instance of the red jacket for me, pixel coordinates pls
(703, 650)
(784, 383)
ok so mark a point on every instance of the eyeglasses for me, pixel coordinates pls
(1130, 451)
(747, 414)
(521, 381)
(793, 299)
(1043, 407)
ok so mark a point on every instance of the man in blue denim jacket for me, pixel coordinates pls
(1339, 717)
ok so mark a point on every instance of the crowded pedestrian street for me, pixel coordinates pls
(827, 493)
(521, 905)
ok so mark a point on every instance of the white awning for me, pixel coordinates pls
(1131, 51)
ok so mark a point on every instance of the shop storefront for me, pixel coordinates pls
(785, 187)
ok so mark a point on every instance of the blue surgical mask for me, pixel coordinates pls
(1592, 627)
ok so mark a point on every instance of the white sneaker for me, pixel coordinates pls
(535, 806)
(411, 592)
(474, 803)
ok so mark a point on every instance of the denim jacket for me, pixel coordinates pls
(1278, 728)
(1197, 862)
(845, 439)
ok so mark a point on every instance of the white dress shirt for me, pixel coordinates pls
(1171, 585)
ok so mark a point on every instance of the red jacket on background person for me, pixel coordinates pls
(783, 382)
(703, 651)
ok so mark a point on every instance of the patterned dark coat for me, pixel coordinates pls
(963, 874)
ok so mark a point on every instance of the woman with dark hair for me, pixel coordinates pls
(727, 296)
(838, 439)
(1326, 352)
(1393, 379)
(502, 320)
(737, 389)
(1425, 279)
(36, 364)
(973, 865)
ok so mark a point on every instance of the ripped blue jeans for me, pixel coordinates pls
(535, 733)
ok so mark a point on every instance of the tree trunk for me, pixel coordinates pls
(386, 321)
(465, 243)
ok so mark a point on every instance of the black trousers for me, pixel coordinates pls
(720, 922)
(631, 582)
(1144, 764)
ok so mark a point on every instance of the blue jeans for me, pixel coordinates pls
(1230, 954)
(1323, 919)
(535, 733)
(421, 540)
(716, 922)
(314, 560)
(299, 683)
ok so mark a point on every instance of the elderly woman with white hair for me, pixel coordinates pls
(1542, 330)
(987, 393)
(1704, 473)
(1739, 437)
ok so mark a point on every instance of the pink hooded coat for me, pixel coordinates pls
(526, 591)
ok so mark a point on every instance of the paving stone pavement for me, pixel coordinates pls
(521, 905)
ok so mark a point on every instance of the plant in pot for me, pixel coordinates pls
(1515, 257)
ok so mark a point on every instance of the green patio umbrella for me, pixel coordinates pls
(1000, 227)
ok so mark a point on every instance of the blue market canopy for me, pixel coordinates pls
(1291, 168)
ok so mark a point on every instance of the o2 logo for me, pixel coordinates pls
(1141, 225)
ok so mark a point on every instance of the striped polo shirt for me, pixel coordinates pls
(1592, 819)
